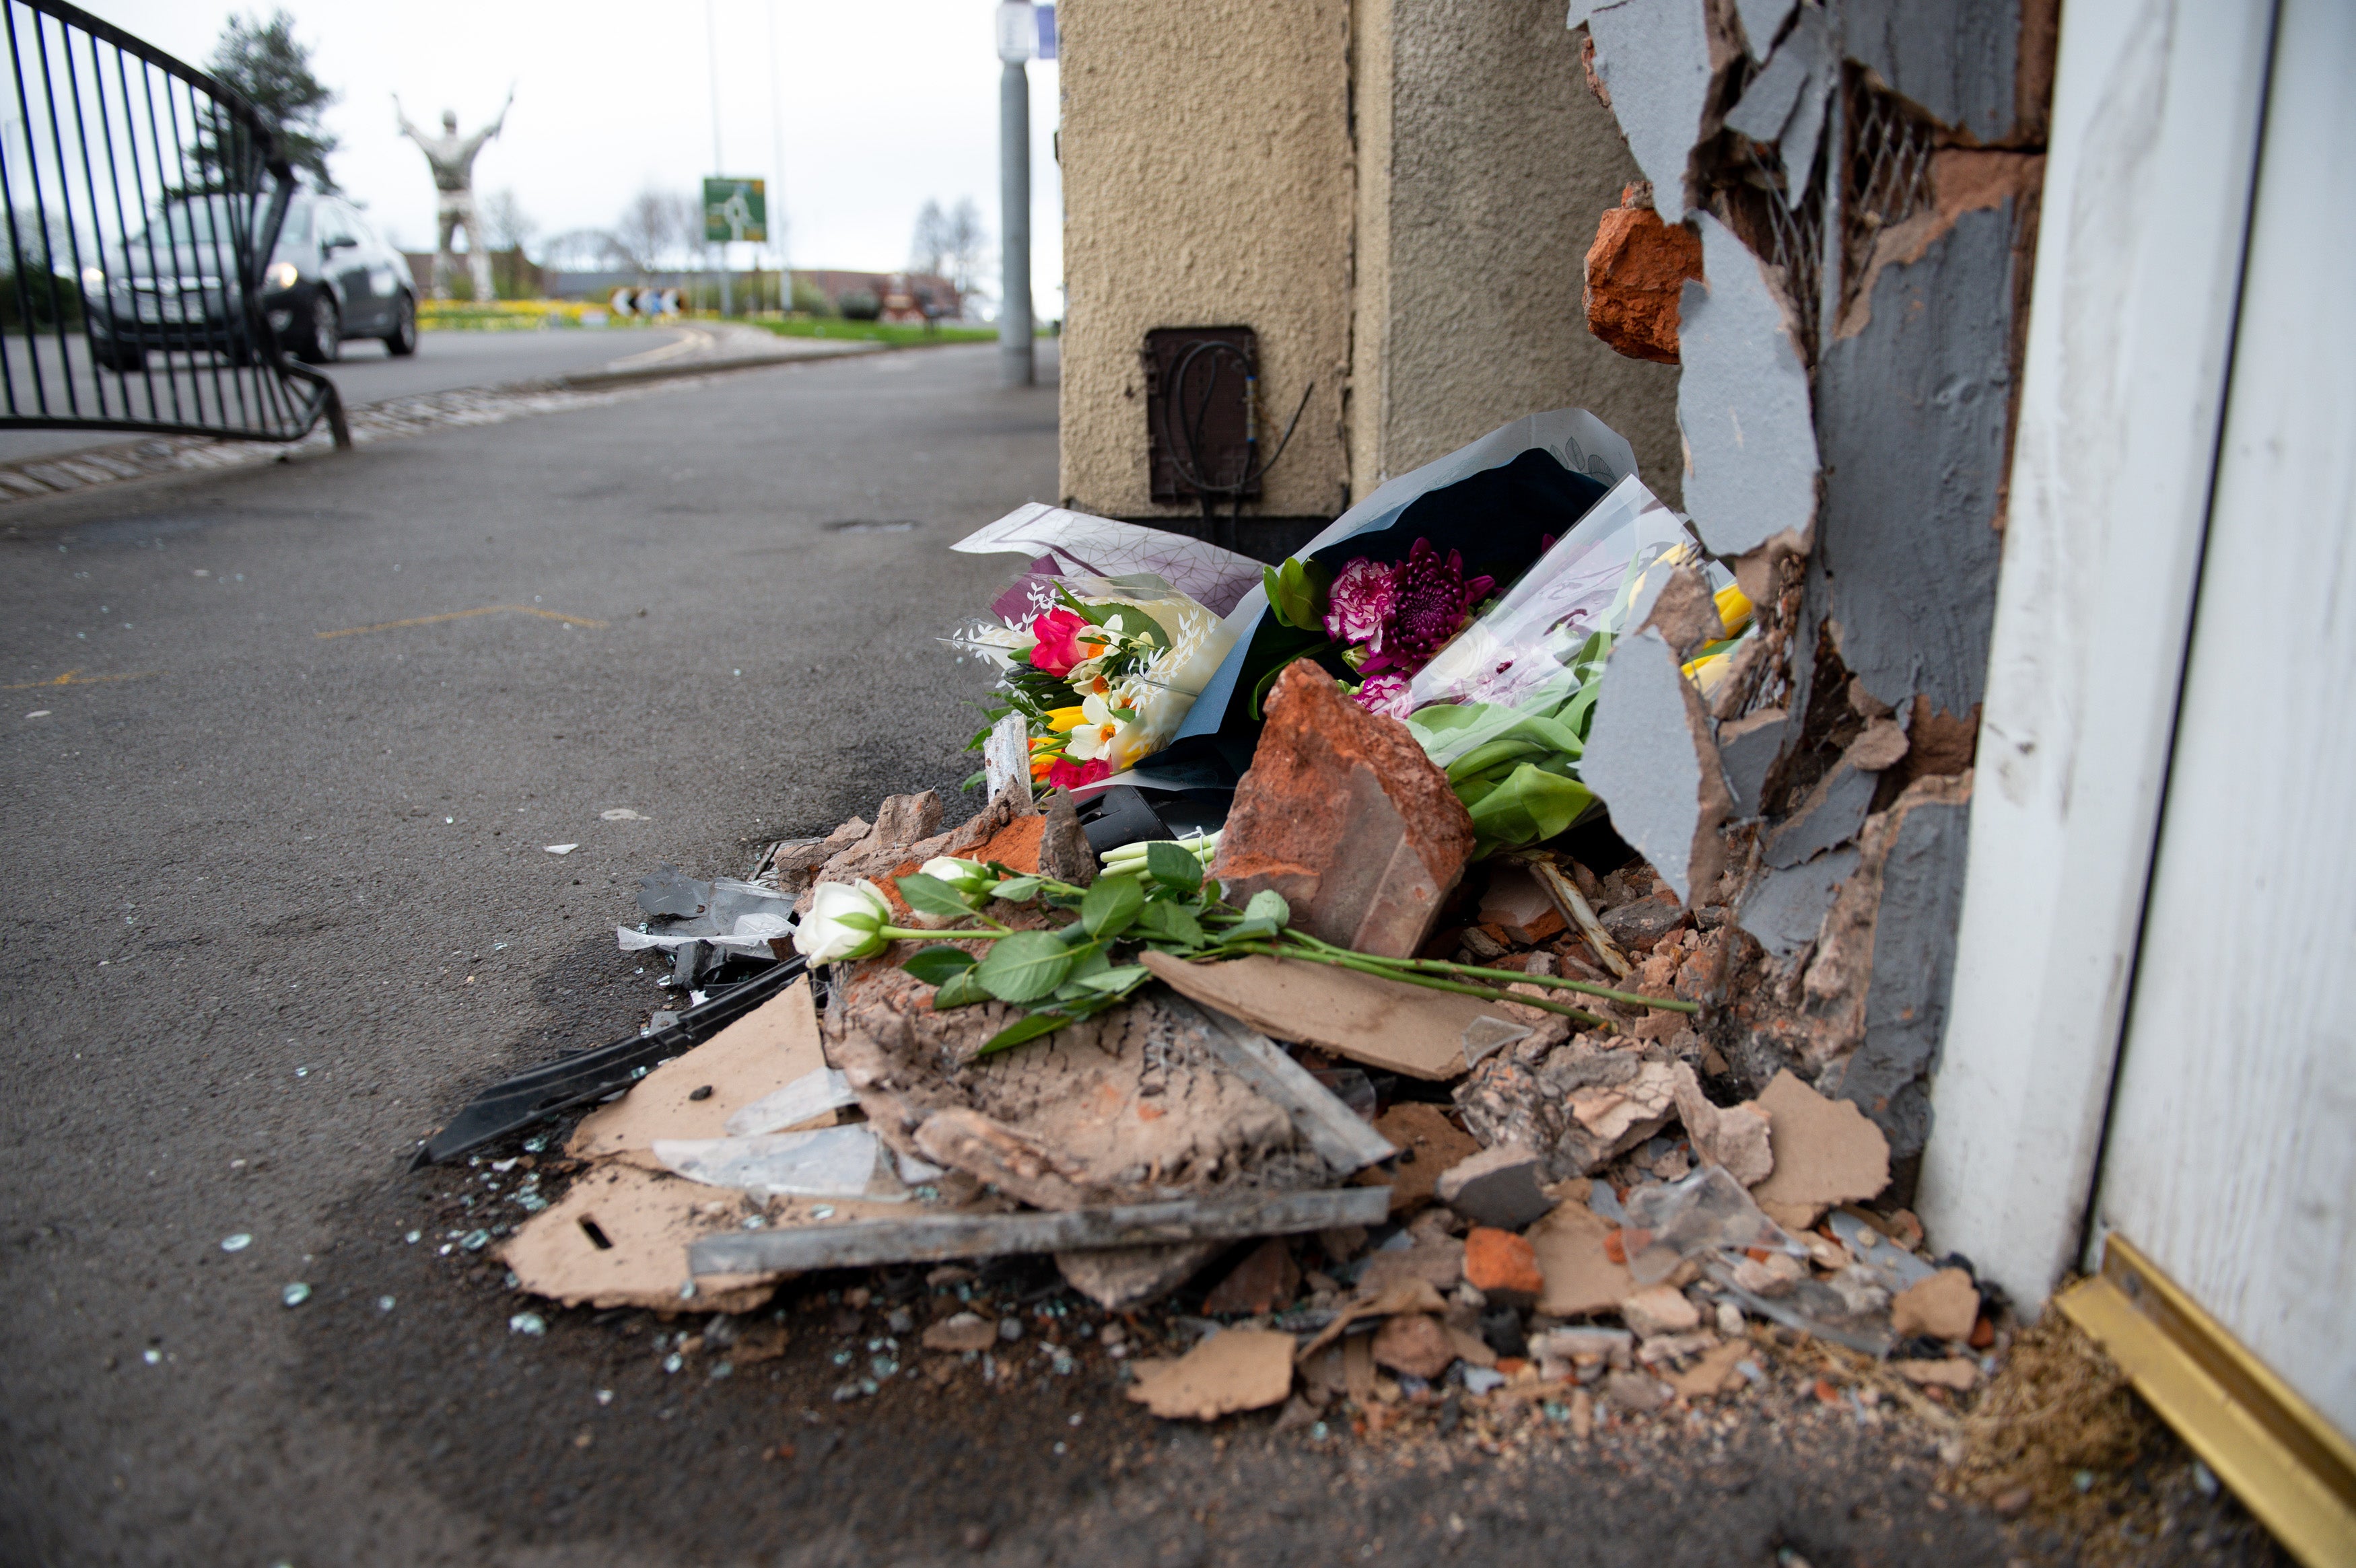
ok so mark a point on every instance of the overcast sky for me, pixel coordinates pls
(877, 108)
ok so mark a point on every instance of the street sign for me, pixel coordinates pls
(734, 210)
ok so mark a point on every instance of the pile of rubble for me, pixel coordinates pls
(1420, 1189)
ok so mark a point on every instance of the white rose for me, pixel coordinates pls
(842, 923)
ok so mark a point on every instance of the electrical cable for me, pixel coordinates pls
(1188, 462)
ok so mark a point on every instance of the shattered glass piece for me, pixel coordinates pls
(476, 1241)
(673, 1361)
(1485, 1036)
(295, 1295)
(832, 1162)
(152, 1356)
(1889, 1266)
(240, 1241)
(812, 1095)
(531, 1323)
(385, 1304)
(1813, 1308)
(1707, 1212)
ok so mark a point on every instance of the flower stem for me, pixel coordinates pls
(946, 934)
(1509, 977)
(1389, 969)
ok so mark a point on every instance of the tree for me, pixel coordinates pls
(967, 247)
(263, 61)
(656, 228)
(507, 228)
(928, 251)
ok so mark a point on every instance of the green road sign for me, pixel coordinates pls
(736, 209)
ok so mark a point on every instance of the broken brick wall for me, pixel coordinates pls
(1861, 179)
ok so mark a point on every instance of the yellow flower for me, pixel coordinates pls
(1060, 719)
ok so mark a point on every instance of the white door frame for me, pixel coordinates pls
(2156, 111)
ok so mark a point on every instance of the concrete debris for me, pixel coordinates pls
(1960, 1373)
(1734, 1137)
(696, 1096)
(1659, 1309)
(1264, 1281)
(1384, 1025)
(1429, 1146)
(962, 1331)
(1240, 1368)
(1498, 1186)
(1415, 1343)
(1575, 1248)
(1344, 814)
(1827, 1152)
(1944, 1307)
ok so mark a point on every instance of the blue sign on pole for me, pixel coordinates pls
(1047, 32)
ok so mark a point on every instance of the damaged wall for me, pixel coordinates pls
(1863, 178)
(1483, 163)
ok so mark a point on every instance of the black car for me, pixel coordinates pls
(172, 286)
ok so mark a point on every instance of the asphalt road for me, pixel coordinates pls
(365, 374)
(277, 900)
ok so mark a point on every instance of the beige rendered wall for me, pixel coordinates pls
(1207, 173)
(1494, 165)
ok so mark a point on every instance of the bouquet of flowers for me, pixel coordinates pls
(1500, 690)
(1103, 677)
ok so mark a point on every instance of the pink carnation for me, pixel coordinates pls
(1360, 602)
(1065, 773)
(1385, 693)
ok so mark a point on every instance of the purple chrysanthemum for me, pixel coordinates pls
(1384, 693)
(1434, 599)
(1360, 602)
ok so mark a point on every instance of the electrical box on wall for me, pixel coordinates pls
(1202, 416)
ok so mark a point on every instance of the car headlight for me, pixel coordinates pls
(281, 275)
(94, 279)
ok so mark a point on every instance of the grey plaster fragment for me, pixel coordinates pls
(1912, 412)
(1806, 126)
(1833, 813)
(1914, 962)
(1654, 57)
(1784, 910)
(1742, 404)
(1770, 96)
(1761, 20)
(1746, 748)
(1643, 758)
(1959, 63)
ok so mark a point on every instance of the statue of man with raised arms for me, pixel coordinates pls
(453, 160)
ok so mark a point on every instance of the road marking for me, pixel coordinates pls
(75, 678)
(453, 615)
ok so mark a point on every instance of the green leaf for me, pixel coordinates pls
(1174, 866)
(1118, 982)
(1025, 966)
(1531, 806)
(959, 990)
(1017, 890)
(1111, 905)
(934, 965)
(1169, 922)
(1297, 592)
(930, 895)
(1025, 1028)
(1267, 904)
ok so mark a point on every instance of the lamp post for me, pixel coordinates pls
(1018, 40)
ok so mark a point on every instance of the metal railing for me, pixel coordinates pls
(142, 202)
